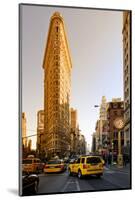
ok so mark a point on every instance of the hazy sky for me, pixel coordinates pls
(95, 42)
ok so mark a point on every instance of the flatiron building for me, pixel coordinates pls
(57, 85)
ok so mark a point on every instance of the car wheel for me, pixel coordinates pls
(99, 175)
(79, 174)
(35, 189)
(41, 171)
(69, 172)
(38, 171)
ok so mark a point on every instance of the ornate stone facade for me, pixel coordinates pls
(57, 84)
(126, 68)
(115, 109)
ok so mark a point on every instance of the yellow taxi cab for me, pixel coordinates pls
(54, 166)
(87, 165)
(32, 165)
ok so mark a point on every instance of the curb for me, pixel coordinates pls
(118, 169)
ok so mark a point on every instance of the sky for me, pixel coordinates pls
(95, 42)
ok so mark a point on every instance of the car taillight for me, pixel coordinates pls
(84, 166)
(59, 166)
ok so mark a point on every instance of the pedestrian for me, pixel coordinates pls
(124, 159)
(106, 158)
(109, 159)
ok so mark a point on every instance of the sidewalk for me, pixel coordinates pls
(117, 168)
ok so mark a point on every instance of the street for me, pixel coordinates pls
(113, 178)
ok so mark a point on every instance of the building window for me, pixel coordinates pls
(122, 134)
(56, 57)
(56, 108)
(56, 82)
(115, 135)
(115, 106)
(127, 91)
(115, 113)
(57, 28)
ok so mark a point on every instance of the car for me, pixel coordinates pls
(32, 165)
(30, 183)
(72, 160)
(56, 165)
(86, 165)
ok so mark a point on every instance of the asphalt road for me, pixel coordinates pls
(62, 183)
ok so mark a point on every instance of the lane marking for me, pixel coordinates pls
(63, 190)
(75, 182)
(109, 172)
(77, 185)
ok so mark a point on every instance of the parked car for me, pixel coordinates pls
(87, 165)
(30, 184)
(55, 165)
(32, 165)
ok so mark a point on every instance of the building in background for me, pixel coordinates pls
(74, 131)
(97, 136)
(126, 71)
(105, 137)
(57, 85)
(24, 130)
(103, 125)
(78, 143)
(82, 144)
(88, 148)
(24, 136)
(103, 108)
(100, 135)
(115, 109)
(74, 118)
(93, 147)
(40, 133)
(29, 146)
